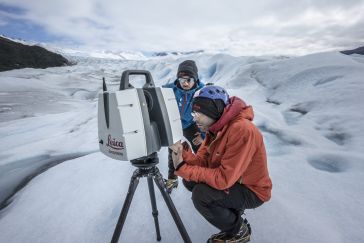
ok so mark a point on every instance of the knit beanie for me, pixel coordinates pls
(209, 107)
(189, 68)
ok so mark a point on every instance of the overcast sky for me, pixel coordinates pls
(241, 27)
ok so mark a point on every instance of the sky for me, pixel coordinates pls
(232, 26)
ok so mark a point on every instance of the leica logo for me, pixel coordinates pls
(113, 143)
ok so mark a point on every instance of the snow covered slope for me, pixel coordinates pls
(309, 108)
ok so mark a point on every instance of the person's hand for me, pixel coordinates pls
(198, 139)
(177, 154)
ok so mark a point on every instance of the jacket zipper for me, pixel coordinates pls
(183, 104)
(213, 141)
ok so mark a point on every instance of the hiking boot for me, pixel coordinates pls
(170, 184)
(242, 236)
(216, 237)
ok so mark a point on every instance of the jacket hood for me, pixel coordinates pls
(235, 108)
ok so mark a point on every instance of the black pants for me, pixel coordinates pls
(189, 134)
(222, 209)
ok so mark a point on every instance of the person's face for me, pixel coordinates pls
(203, 122)
(186, 82)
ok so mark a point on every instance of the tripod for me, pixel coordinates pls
(147, 168)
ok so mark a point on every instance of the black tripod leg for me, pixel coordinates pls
(154, 206)
(124, 211)
(172, 209)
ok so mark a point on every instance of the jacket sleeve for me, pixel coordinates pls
(238, 154)
(200, 158)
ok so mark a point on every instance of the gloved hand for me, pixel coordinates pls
(198, 139)
(177, 158)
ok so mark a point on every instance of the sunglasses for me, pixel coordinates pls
(195, 114)
(184, 80)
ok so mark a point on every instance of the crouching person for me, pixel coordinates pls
(229, 172)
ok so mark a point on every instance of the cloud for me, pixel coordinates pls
(3, 21)
(242, 27)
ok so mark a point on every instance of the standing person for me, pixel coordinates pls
(229, 172)
(184, 87)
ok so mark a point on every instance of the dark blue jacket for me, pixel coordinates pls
(184, 101)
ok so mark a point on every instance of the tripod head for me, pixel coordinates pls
(146, 162)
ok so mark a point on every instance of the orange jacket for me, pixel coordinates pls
(235, 154)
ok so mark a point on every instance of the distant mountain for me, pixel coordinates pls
(161, 54)
(15, 55)
(359, 50)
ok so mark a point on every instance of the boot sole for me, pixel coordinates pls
(242, 240)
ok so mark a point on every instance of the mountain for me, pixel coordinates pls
(175, 53)
(15, 55)
(359, 50)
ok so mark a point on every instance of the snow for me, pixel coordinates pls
(309, 109)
